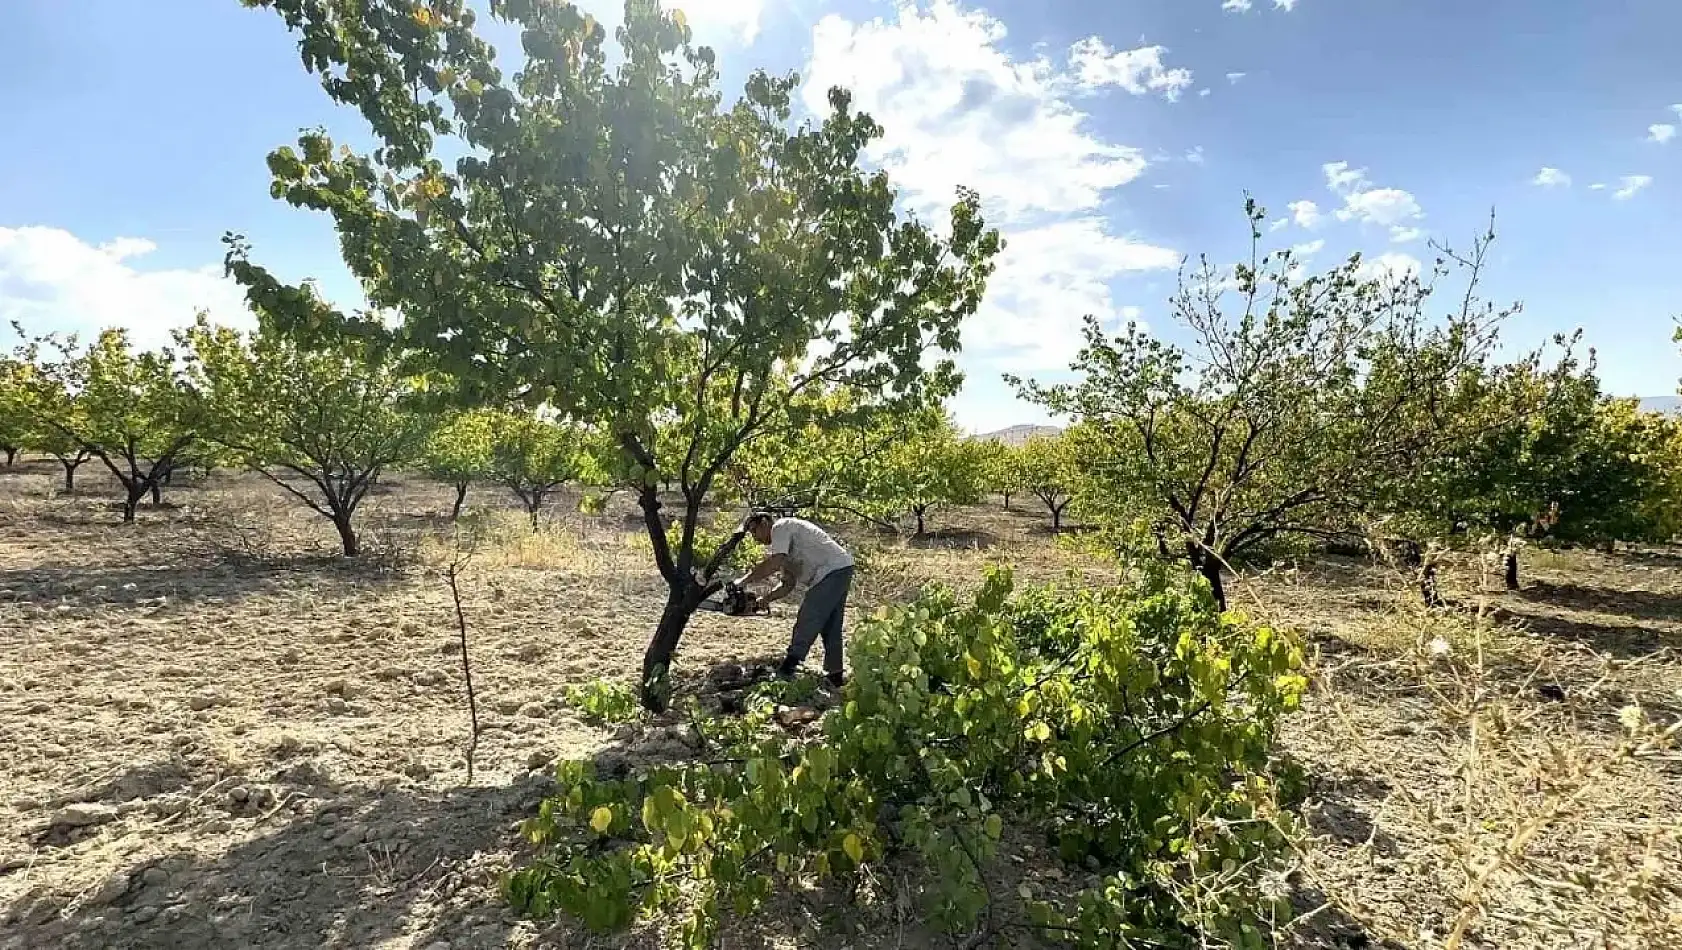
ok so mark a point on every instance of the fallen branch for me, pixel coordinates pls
(452, 574)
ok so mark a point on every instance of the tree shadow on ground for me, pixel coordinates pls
(1623, 641)
(1650, 558)
(225, 575)
(963, 539)
(351, 869)
(1340, 807)
(1321, 924)
(1636, 604)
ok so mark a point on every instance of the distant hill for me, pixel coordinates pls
(1018, 435)
(1670, 404)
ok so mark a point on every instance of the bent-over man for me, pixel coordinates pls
(803, 554)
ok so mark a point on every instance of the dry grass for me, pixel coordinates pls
(266, 743)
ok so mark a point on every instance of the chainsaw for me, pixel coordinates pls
(733, 600)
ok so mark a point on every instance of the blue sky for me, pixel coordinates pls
(1107, 139)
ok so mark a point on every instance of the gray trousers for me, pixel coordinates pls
(821, 612)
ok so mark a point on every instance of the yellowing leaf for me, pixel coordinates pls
(995, 827)
(601, 819)
(854, 848)
(974, 665)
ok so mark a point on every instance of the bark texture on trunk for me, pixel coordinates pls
(662, 650)
(1210, 567)
(70, 476)
(157, 494)
(461, 499)
(1429, 592)
(1007, 501)
(131, 503)
(347, 535)
(11, 454)
(919, 513)
(1512, 570)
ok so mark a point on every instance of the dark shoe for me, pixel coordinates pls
(787, 670)
(836, 679)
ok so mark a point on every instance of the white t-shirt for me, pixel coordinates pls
(812, 554)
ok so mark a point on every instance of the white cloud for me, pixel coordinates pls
(1598, 186)
(1234, 77)
(1661, 133)
(51, 280)
(957, 109)
(1300, 251)
(1306, 214)
(1204, 92)
(1550, 177)
(713, 22)
(1286, 5)
(1631, 185)
(1195, 156)
(1389, 266)
(1388, 207)
(1139, 71)
(1402, 235)
(1340, 177)
(1236, 6)
(1047, 280)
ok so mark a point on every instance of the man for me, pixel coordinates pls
(800, 552)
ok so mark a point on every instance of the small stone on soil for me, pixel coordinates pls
(83, 816)
(534, 710)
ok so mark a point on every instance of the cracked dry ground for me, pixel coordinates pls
(219, 735)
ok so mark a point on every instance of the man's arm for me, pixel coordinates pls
(773, 564)
(785, 586)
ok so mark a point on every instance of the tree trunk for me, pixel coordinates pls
(11, 454)
(662, 650)
(157, 493)
(1210, 567)
(347, 535)
(1056, 518)
(461, 499)
(1512, 569)
(919, 512)
(70, 476)
(532, 508)
(1007, 501)
(1429, 592)
(131, 501)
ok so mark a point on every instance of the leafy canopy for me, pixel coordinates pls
(1302, 404)
(460, 447)
(321, 423)
(614, 241)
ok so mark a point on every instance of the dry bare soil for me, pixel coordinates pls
(214, 733)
